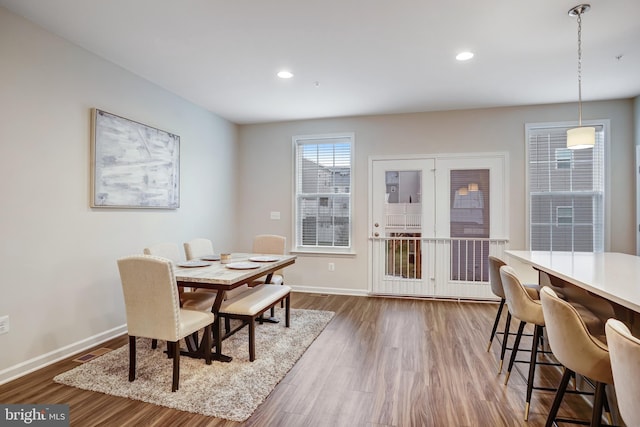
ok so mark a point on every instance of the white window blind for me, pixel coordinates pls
(566, 192)
(323, 192)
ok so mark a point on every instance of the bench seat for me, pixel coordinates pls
(251, 304)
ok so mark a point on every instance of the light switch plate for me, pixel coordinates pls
(275, 215)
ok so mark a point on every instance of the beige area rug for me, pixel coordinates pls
(225, 390)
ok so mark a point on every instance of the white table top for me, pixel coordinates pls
(218, 273)
(611, 275)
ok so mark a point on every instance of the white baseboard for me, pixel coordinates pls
(361, 293)
(47, 359)
(331, 291)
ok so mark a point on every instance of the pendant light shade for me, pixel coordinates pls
(582, 136)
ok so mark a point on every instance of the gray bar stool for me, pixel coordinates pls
(624, 351)
(496, 287)
(577, 350)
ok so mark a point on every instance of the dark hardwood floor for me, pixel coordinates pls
(380, 362)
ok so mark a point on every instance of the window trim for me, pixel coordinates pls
(332, 250)
(606, 125)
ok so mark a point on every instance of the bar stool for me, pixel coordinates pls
(577, 350)
(624, 351)
(600, 307)
(522, 306)
(496, 287)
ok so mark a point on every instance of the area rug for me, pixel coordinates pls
(224, 390)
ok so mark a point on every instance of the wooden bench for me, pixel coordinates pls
(251, 304)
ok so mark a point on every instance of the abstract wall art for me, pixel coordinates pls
(133, 165)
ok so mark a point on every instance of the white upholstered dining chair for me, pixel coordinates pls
(200, 247)
(197, 248)
(153, 309)
(188, 299)
(270, 244)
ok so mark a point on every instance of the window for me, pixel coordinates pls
(564, 214)
(563, 158)
(323, 168)
(566, 191)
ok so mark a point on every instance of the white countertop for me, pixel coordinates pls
(611, 275)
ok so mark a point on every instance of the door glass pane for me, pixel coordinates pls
(403, 224)
(404, 256)
(469, 224)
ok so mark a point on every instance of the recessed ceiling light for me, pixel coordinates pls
(464, 56)
(285, 74)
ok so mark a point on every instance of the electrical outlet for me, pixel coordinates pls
(332, 266)
(4, 325)
(275, 215)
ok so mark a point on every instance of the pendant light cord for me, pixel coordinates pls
(579, 18)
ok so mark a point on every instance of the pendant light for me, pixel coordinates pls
(581, 136)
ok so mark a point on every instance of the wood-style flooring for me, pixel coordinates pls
(379, 362)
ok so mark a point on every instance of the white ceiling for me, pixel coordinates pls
(356, 57)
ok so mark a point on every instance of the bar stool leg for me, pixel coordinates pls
(596, 415)
(532, 368)
(514, 351)
(495, 323)
(566, 375)
(607, 409)
(505, 338)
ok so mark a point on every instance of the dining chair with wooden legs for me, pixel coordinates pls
(198, 247)
(191, 300)
(153, 310)
(201, 247)
(270, 244)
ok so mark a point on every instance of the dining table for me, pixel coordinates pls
(222, 276)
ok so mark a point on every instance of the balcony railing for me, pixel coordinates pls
(467, 259)
(403, 216)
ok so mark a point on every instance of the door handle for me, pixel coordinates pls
(376, 234)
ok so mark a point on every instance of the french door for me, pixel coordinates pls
(402, 214)
(433, 223)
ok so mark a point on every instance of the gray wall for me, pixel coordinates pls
(60, 282)
(636, 114)
(266, 173)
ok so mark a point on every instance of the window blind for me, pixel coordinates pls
(323, 192)
(566, 192)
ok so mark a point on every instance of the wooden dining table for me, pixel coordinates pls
(241, 269)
